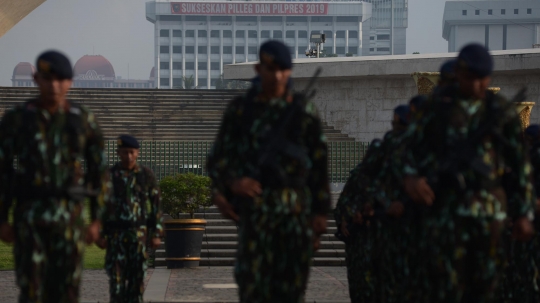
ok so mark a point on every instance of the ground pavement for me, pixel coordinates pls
(202, 284)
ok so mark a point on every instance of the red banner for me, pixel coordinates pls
(229, 8)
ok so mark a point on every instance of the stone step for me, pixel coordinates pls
(160, 262)
(233, 237)
(225, 222)
(231, 253)
(233, 245)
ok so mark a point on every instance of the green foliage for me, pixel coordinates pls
(348, 55)
(222, 83)
(416, 53)
(184, 193)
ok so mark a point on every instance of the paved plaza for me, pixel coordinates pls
(202, 284)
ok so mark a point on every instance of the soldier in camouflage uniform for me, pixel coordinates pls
(51, 137)
(133, 214)
(270, 160)
(353, 230)
(466, 162)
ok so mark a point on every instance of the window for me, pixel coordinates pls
(252, 34)
(464, 12)
(202, 34)
(278, 34)
(271, 19)
(266, 34)
(372, 38)
(529, 11)
(477, 12)
(321, 19)
(214, 34)
(490, 12)
(214, 50)
(252, 50)
(164, 65)
(164, 82)
(177, 82)
(177, 65)
(190, 33)
(239, 50)
(190, 49)
(240, 34)
(164, 49)
(329, 34)
(383, 49)
(131, 85)
(221, 18)
(353, 50)
(202, 50)
(296, 19)
(227, 34)
(503, 12)
(371, 49)
(202, 65)
(201, 82)
(289, 34)
(346, 19)
(213, 82)
(383, 37)
(353, 34)
(190, 65)
(292, 50)
(227, 50)
(164, 33)
(340, 34)
(177, 33)
(177, 49)
(195, 18)
(246, 19)
(302, 50)
(516, 11)
(214, 65)
(302, 34)
(340, 50)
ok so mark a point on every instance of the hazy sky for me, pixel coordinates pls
(118, 30)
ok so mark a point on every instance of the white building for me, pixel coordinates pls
(497, 24)
(195, 39)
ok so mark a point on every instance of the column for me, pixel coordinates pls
(346, 41)
(246, 38)
(233, 39)
(196, 51)
(296, 43)
(183, 49)
(170, 58)
(208, 54)
(333, 34)
(157, 67)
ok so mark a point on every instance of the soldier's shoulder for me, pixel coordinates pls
(15, 113)
(147, 171)
(502, 105)
(308, 106)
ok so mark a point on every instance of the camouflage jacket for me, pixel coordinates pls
(135, 200)
(238, 144)
(494, 169)
(51, 152)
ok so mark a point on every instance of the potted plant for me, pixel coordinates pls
(181, 194)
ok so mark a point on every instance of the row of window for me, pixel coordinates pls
(227, 50)
(380, 49)
(277, 34)
(490, 12)
(177, 82)
(383, 37)
(115, 85)
(263, 18)
(191, 65)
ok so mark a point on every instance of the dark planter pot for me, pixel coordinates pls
(183, 242)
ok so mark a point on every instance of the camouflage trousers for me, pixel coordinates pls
(273, 258)
(48, 262)
(125, 263)
(360, 272)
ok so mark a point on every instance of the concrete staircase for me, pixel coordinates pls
(220, 243)
(152, 114)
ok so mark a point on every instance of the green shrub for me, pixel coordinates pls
(184, 194)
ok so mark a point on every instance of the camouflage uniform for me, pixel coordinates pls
(48, 222)
(133, 214)
(458, 237)
(359, 243)
(275, 234)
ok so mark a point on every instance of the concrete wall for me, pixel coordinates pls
(357, 95)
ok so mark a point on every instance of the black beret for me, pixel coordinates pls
(274, 52)
(127, 141)
(402, 111)
(417, 102)
(54, 63)
(533, 131)
(448, 70)
(476, 59)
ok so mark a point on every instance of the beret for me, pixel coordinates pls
(476, 59)
(402, 111)
(54, 63)
(448, 70)
(274, 52)
(127, 141)
(417, 102)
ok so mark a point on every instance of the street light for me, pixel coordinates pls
(317, 39)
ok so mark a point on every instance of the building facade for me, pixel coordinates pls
(497, 24)
(386, 37)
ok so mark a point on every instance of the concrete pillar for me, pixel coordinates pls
(183, 49)
(208, 54)
(157, 50)
(170, 58)
(196, 51)
(233, 39)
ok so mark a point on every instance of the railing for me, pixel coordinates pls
(172, 157)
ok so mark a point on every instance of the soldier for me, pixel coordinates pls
(133, 214)
(353, 230)
(466, 162)
(50, 136)
(270, 159)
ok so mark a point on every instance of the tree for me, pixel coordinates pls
(416, 53)
(222, 83)
(189, 83)
(348, 55)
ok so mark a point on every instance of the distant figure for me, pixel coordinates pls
(133, 215)
(270, 161)
(50, 137)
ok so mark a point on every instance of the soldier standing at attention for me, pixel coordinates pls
(133, 214)
(50, 136)
(270, 159)
(467, 163)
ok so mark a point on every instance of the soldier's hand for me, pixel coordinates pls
(225, 207)
(156, 242)
(101, 243)
(246, 187)
(523, 229)
(419, 190)
(92, 232)
(344, 230)
(319, 224)
(6, 233)
(395, 210)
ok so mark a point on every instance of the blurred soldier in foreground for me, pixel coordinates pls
(133, 215)
(270, 159)
(353, 230)
(50, 136)
(466, 162)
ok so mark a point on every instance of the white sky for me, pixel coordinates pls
(118, 30)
